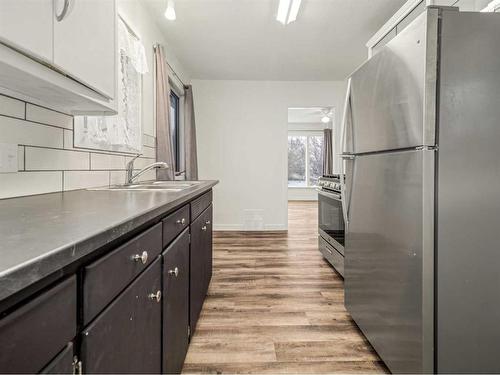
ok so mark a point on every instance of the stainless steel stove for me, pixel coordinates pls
(331, 221)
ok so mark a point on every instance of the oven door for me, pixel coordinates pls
(331, 219)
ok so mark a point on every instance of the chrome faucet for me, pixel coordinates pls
(130, 177)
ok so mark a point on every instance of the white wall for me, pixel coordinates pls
(242, 141)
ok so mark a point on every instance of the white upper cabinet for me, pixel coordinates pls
(84, 42)
(27, 26)
(60, 54)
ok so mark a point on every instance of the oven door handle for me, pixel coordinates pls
(329, 195)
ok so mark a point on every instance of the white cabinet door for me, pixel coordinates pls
(27, 25)
(84, 44)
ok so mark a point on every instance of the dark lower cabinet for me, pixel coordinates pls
(126, 336)
(200, 264)
(64, 363)
(32, 335)
(175, 304)
(131, 310)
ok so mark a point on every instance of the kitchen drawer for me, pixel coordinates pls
(126, 337)
(63, 363)
(200, 204)
(332, 255)
(32, 335)
(104, 279)
(174, 224)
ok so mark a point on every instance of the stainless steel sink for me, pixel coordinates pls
(172, 186)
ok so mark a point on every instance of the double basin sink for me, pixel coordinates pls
(173, 186)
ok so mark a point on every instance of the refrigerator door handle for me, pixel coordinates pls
(346, 198)
(346, 119)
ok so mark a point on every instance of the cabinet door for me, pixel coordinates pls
(208, 243)
(27, 25)
(175, 304)
(200, 264)
(62, 363)
(33, 334)
(84, 44)
(126, 337)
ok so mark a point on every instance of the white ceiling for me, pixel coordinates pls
(241, 39)
(309, 115)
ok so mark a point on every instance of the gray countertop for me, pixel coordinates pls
(39, 235)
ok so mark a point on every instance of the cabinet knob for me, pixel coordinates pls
(207, 222)
(174, 272)
(204, 228)
(155, 296)
(181, 221)
(142, 257)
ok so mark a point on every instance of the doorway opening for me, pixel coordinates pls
(310, 144)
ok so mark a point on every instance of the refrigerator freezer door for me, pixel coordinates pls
(468, 251)
(389, 256)
(393, 95)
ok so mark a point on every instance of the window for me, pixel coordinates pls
(174, 128)
(305, 158)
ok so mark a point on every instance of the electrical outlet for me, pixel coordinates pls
(8, 158)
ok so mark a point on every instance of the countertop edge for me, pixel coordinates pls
(22, 276)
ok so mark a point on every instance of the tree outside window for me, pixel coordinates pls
(305, 158)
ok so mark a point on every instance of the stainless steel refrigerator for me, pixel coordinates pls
(421, 151)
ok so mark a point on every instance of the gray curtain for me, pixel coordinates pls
(164, 145)
(327, 152)
(190, 135)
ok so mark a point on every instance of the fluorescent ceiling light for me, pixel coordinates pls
(294, 11)
(170, 12)
(288, 11)
(492, 6)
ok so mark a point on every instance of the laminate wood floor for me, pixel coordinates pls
(276, 306)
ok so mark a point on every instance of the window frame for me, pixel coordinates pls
(307, 134)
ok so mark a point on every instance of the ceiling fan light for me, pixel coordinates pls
(283, 9)
(294, 11)
(170, 11)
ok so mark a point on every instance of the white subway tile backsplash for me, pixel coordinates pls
(68, 139)
(85, 179)
(47, 116)
(20, 158)
(147, 176)
(117, 177)
(148, 140)
(107, 162)
(149, 152)
(11, 107)
(28, 133)
(51, 159)
(47, 159)
(29, 183)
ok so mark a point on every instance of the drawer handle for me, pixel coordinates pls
(204, 228)
(143, 257)
(155, 296)
(207, 222)
(174, 272)
(181, 221)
